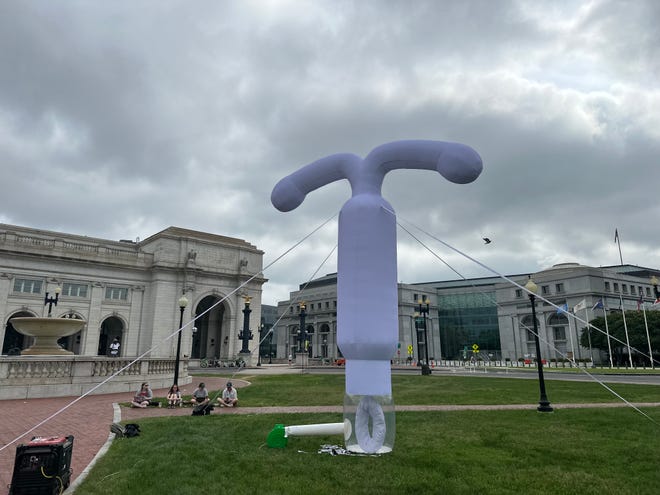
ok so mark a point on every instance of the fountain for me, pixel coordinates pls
(46, 331)
(47, 370)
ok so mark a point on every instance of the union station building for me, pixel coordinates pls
(131, 290)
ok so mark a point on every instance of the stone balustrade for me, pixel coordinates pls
(25, 377)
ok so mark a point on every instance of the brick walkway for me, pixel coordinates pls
(89, 419)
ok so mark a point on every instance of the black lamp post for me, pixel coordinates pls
(52, 300)
(270, 346)
(183, 302)
(261, 336)
(302, 335)
(423, 310)
(544, 403)
(246, 334)
(654, 282)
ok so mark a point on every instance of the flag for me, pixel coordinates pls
(598, 305)
(657, 301)
(580, 306)
(563, 309)
(616, 235)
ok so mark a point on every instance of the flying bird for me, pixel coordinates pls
(486, 240)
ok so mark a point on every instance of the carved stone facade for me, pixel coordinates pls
(131, 290)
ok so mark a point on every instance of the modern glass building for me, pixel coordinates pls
(466, 320)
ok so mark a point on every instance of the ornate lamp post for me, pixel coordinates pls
(544, 403)
(183, 302)
(246, 334)
(50, 301)
(420, 323)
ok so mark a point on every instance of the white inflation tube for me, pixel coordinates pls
(317, 429)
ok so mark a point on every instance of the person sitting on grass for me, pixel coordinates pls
(200, 395)
(173, 397)
(143, 396)
(229, 396)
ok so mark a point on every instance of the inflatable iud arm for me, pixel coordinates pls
(290, 192)
(456, 162)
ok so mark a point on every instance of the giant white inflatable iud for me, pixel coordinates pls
(367, 303)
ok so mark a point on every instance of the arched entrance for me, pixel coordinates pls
(14, 341)
(72, 342)
(209, 340)
(111, 328)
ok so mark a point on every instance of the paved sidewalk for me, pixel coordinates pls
(89, 419)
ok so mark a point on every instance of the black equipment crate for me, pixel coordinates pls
(42, 467)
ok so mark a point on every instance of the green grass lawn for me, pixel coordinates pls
(322, 389)
(585, 451)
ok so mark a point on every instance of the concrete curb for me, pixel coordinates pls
(116, 418)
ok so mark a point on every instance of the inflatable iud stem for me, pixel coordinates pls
(367, 302)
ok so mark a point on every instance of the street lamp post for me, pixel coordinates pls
(423, 309)
(544, 403)
(246, 334)
(261, 336)
(50, 301)
(183, 302)
(270, 346)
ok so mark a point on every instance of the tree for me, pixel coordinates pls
(636, 334)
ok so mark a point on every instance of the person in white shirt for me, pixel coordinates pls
(229, 396)
(114, 348)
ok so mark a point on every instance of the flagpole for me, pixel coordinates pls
(515, 347)
(570, 315)
(591, 351)
(625, 327)
(607, 331)
(646, 325)
(618, 241)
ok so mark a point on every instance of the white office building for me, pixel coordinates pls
(487, 318)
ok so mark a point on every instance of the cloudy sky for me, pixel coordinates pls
(119, 119)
